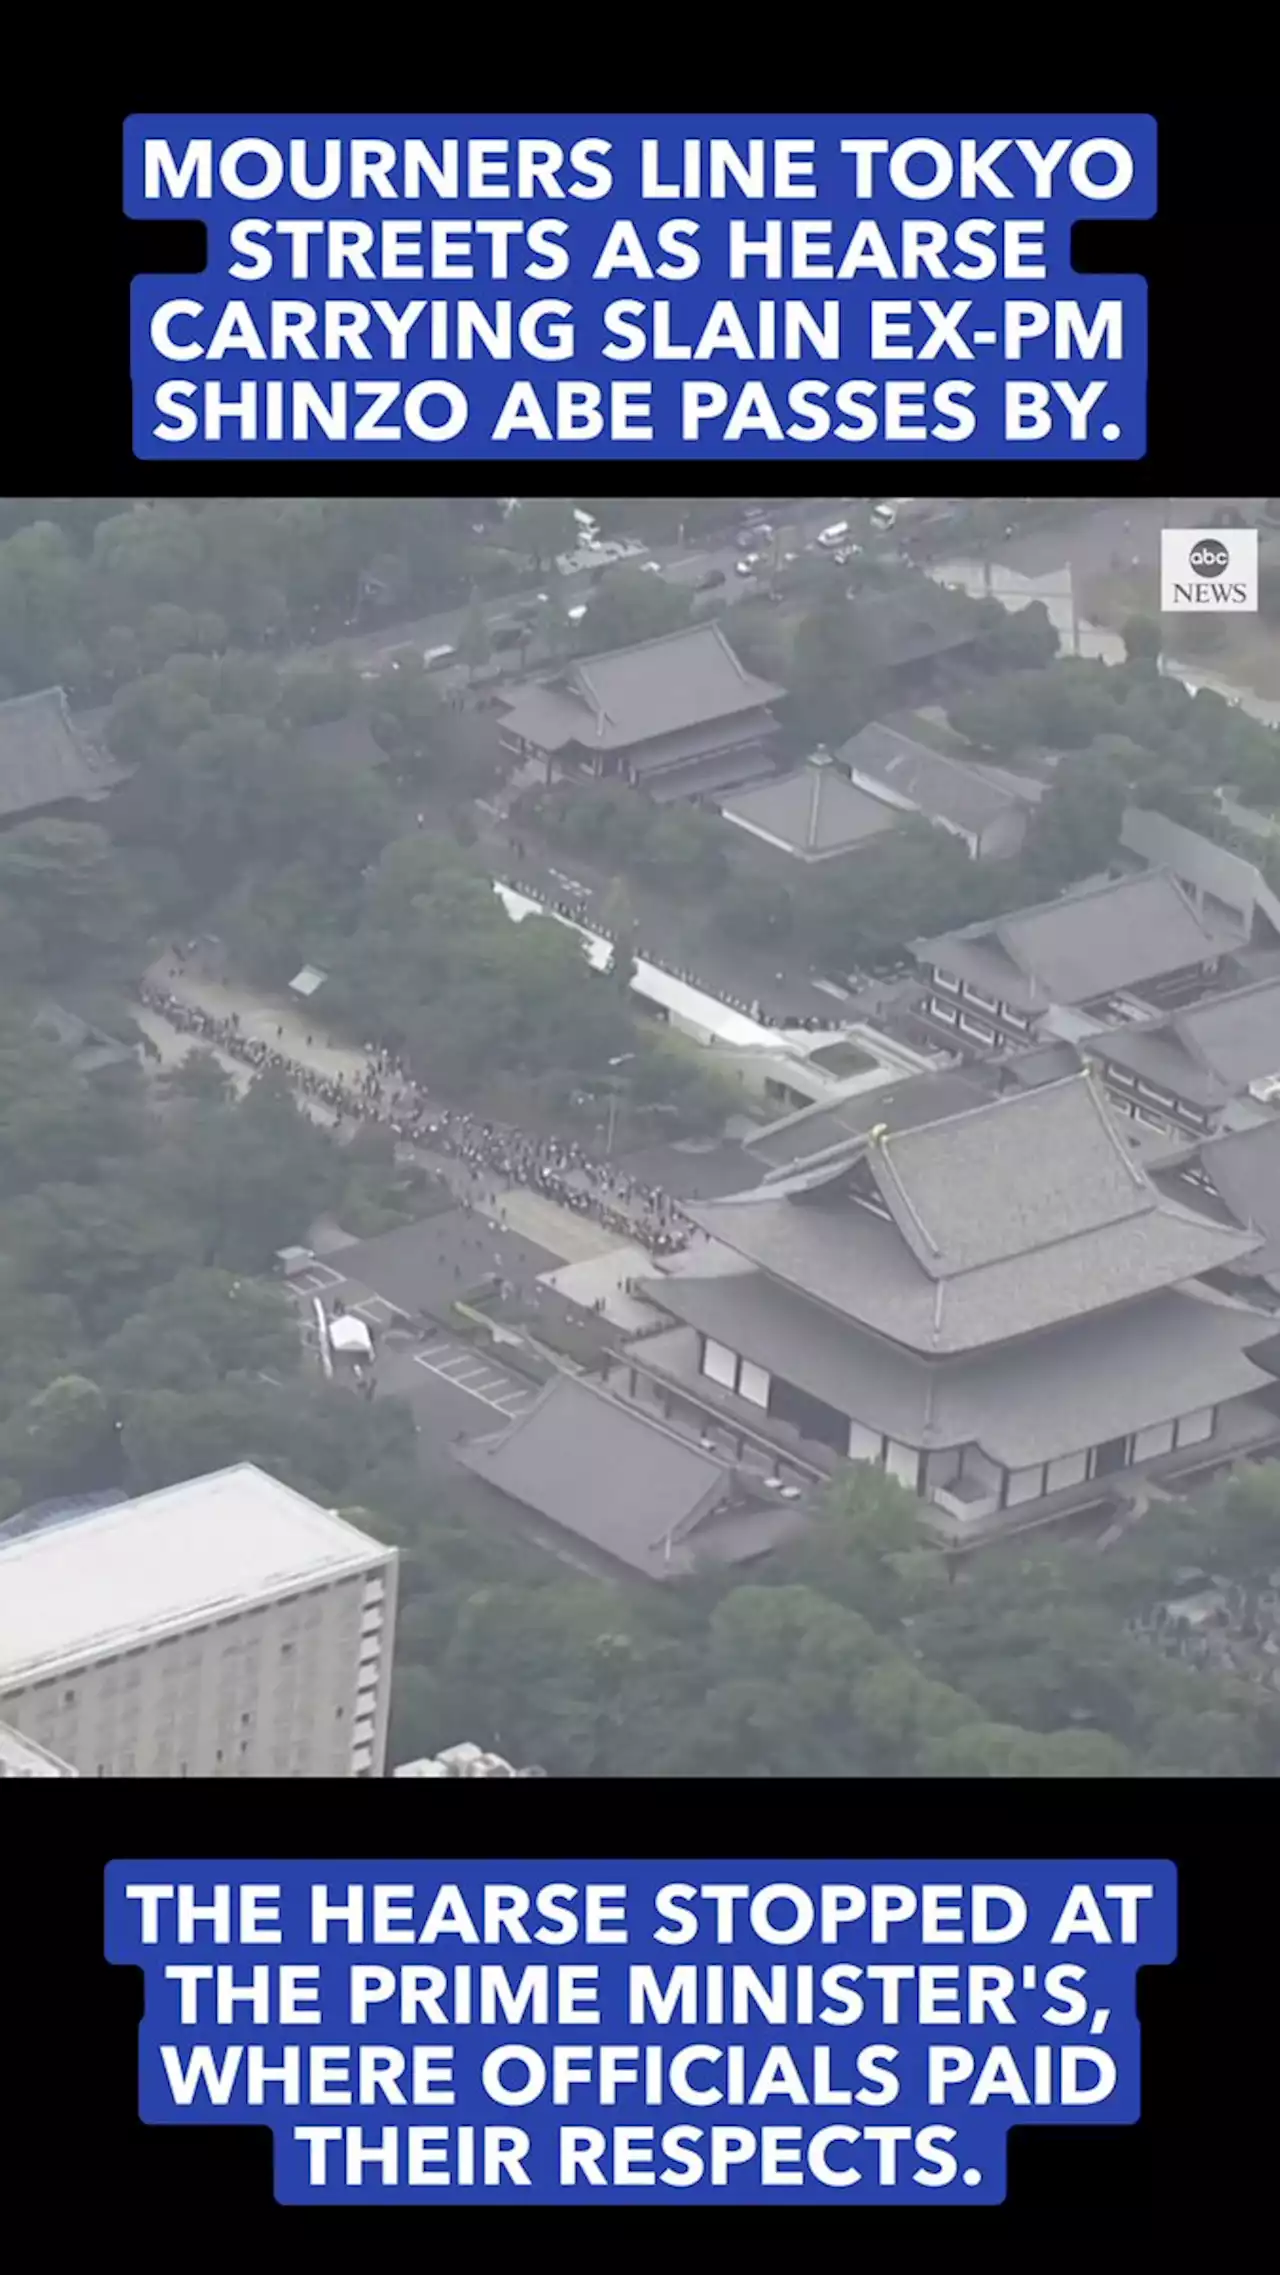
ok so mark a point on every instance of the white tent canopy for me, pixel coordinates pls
(351, 1337)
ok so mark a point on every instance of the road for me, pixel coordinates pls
(1129, 527)
(679, 564)
(1043, 565)
(565, 1235)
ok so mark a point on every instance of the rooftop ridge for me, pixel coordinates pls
(564, 1377)
(36, 695)
(667, 639)
(1137, 1173)
(880, 1149)
(986, 927)
(815, 805)
(1159, 870)
(584, 679)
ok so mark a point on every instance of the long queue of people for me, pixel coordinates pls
(493, 1153)
(564, 1172)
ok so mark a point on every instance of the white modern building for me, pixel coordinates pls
(225, 1627)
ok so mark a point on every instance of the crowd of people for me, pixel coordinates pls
(565, 1172)
(388, 1093)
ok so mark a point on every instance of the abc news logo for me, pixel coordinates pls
(1208, 572)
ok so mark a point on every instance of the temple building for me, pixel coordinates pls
(678, 717)
(1002, 1308)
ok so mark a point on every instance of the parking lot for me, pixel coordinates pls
(477, 1375)
(455, 1388)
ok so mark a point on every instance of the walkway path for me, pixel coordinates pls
(541, 1220)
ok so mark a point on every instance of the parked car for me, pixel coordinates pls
(748, 565)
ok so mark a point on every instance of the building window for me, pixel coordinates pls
(946, 1013)
(1069, 1469)
(946, 980)
(978, 1028)
(865, 1444)
(753, 1384)
(1193, 1429)
(719, 1364)
(1024, 1485)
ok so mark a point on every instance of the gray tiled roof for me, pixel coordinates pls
(1017, 1216)
(942, 788)
(1052, 1062)
(1243, 1166)
(1227, 877)
(814, 812)
(1208, 1053)
(634, 695)
(813, 1130)
(1053, 1395)
(1017, 1175)
(44, 759)
(1088, 944)
(605, 1472)
(677, 775)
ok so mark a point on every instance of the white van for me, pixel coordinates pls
(435, 659)
(836, 535)
(883, 517)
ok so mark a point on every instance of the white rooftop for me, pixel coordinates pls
(22, 1757)
(195, 1551)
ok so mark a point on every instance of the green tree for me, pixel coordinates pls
(629, 607)
(1014, 639)
(61, 1441)
(836, 685)
(103, 1246)
(65, 881)
(222, 1325)
(1143, 641)
(541, 528)
(53, 1125)
(201, 1076)
(248, 1178)
(1075, 831)
(475, 646)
